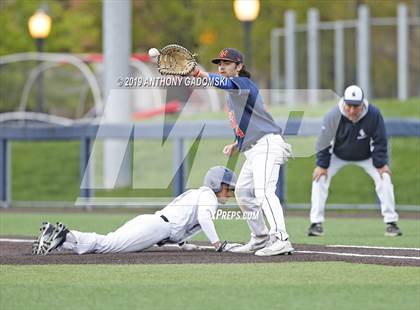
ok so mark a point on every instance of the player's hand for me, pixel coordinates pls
(318, 173)
(219, 246)
(230, 149)
(197, 72)
(189, 247)
(384, 169)
(225, 246)
(230, 246)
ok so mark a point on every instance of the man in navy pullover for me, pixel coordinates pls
(353, 132)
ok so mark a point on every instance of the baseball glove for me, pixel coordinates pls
(227, 247)
(176, 60)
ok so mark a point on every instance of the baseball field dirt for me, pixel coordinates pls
(17, 251)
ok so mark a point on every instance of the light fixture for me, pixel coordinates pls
(246, 10)
(39, 25)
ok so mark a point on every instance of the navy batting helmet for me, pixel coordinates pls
(218, 175)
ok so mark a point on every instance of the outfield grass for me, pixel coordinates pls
(52, 173)
(388, 107)
(229, 286)
(359, 231)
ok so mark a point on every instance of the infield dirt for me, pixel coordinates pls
(19, 253)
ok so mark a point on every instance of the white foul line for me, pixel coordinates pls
(16, 240)
(303, 252)
(371, 247)
(358, 255)
(328, 253)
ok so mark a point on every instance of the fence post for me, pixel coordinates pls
(85, 150)
(4, 174)
(313, 58)
(179, 167)
(339, 58)
(363, 50)
(403, 81)
(116, 38)
(290, 60)
(275, 66)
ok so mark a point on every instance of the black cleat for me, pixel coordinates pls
(46, 231)
(315, 230)
(56, 239)
(392, 230)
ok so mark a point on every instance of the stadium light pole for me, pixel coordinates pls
(247, 11)
(39, 25)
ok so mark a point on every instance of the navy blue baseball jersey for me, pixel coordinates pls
(247, 114)
(353, 141)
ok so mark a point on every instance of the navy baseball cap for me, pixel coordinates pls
(229, 54)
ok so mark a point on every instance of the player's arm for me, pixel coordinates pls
(217, 80)
(324, 142)
(230, 149)
(197, 72)
(207, 207)
(205, 220)
(380, 147)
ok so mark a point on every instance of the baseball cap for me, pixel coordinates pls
(353, 95)
(218, 175)
(229, 54)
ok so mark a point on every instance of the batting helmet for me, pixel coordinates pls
(218, 175)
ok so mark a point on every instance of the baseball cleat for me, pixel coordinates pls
(46, 230)
(392, 230)
(56, 239)
(253, 245)
(279, 247)
(315, 229)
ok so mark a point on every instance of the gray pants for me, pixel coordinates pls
(383, 186)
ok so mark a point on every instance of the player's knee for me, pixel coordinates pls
(383, 180)
(386, 178)
(246, 199)
(321, 184)
(260, 196)
(265, 195)
(242, 196)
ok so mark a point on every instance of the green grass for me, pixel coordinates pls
(50, 170)
(388, 107)
(53, 172)
(45, 170)
(229, 286)
(358, 231)
(315, 285)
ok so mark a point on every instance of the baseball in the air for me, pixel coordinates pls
(153, 52)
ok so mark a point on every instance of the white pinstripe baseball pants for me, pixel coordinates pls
(256, 185)
(138, 234)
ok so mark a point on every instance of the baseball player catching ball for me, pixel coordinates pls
(353, 132)
(177, 223)
(259, 138)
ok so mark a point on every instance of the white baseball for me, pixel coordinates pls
(153, 52)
